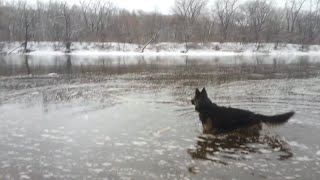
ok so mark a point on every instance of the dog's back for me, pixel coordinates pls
(227, 119)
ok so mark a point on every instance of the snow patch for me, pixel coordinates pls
(24, 176)
(106, 164)
(47, 176)
(304, 158)
(289, 177)
(119, 144)
(162, 163)
(159, 151)
(139, 143)
(265, 151)
(52, 75)
(97, 170)
(107, 138)
(160, 49)
(296, 144)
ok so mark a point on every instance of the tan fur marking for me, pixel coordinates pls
(208, 125)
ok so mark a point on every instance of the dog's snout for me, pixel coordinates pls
(192, 101)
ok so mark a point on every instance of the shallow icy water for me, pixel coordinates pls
(131, 117)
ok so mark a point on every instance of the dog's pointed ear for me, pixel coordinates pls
(204, 92)
(198, 93)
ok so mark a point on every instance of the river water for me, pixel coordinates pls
(130, 117)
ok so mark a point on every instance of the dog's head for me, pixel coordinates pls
(200, 99)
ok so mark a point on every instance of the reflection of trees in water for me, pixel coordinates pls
(3, 66)
(303, 66)
(212, 68)
(68, 64)
(26, 62)
(207, 147)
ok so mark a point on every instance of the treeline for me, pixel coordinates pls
(190, 21)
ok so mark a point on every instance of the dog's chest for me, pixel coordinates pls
(207, 124)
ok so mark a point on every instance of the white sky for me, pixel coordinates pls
(145, 5)
(164, 6)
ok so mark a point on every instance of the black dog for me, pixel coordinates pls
(217, 119)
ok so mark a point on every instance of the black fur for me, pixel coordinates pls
(217, 119)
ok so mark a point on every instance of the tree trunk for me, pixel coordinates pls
(152, 38)
(26, 61)
(26, 36)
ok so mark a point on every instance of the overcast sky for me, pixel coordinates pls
(147, 5)
(164, 6)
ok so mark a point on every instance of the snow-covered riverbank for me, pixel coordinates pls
(162, 49)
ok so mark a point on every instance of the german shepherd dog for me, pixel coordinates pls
(217, 119)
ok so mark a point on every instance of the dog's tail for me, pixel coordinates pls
(276, 120)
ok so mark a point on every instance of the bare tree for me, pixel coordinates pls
(205, 29)
(257, 11)
(28, 16)
(2, 24)
(68, 31)
(85, 5)
(188, 11)
(152, 23)
(52, 21)
(274, 28)
(99, 20)
(152, 38)
(225, 11)
(97, 17)
(242, 22)
(310, 23)
(293, 8)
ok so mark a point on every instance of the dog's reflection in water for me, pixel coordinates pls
(220, 148)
